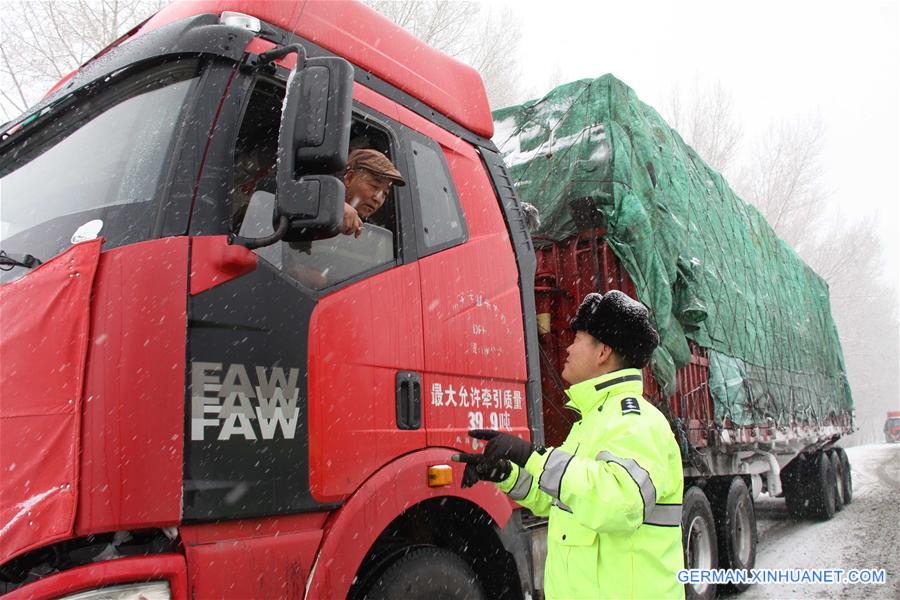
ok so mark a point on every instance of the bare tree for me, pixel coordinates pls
(483, 38)
(492, 52)
(846, 247)
(785, 182)
(782, 173)
(707, 123)
(43, 40)
(439, 23)
(866, 316)
(783, 178)
(555, 76)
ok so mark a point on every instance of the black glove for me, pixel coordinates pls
(503, 445)
(479, 468)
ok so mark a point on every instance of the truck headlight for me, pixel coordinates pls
(236, 19)
(155, 590)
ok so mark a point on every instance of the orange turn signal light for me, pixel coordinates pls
(439, 475)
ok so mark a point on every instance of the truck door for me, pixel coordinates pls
(471, 305)
(365, 353)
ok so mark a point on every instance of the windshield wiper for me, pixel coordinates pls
(8, 263)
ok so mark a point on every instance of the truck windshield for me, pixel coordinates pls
(94, 169)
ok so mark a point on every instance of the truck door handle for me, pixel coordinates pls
(409, 400)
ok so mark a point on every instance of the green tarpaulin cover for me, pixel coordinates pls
(707, 263)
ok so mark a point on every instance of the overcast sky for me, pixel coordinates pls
(793, 59)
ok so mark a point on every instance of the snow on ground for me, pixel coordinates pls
(864, 535)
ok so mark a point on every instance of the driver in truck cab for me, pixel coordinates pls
(368, 180)
(613, 489)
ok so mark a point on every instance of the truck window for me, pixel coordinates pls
(318, 264)
(94, 166)
(441, 222)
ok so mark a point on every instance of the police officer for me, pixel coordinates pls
(613, 489)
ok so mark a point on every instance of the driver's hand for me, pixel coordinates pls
(352, 224)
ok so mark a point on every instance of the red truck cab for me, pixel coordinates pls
(892, 427)
(181, 411)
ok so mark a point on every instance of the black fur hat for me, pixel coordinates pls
(621, 323)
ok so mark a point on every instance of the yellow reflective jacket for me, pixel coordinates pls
(613, 494)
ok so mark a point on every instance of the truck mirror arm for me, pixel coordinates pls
(254, 243)
(266, 58)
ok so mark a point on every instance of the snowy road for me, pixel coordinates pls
(865, 535)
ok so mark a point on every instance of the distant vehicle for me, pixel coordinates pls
(892, 427)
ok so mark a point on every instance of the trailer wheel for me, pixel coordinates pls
(848, 479)
(427, 574)
(838, 479)
(795, 484)
(822, 486)
(736, 529)
(698, 531)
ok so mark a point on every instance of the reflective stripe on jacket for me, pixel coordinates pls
(612, 492)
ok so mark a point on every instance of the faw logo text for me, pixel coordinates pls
(234, 401)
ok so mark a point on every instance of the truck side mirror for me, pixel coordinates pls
(312, 205)
(321, 134)
(313, 141)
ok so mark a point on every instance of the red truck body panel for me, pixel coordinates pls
(391, 491)
(131, 465)
(367, 39)
(106, 342)
(468, 310)
(44, 342)
(159, 567)
(282, 551)
(360, 336)
(475, 368)
(214, 261)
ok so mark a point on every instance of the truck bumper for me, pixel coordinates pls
(169, 568)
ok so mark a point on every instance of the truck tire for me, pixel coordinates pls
(794, 484)
(822, 485)
(427, 574)
(848, 479)
(698, 531)
(736, 529)
(838, 479)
